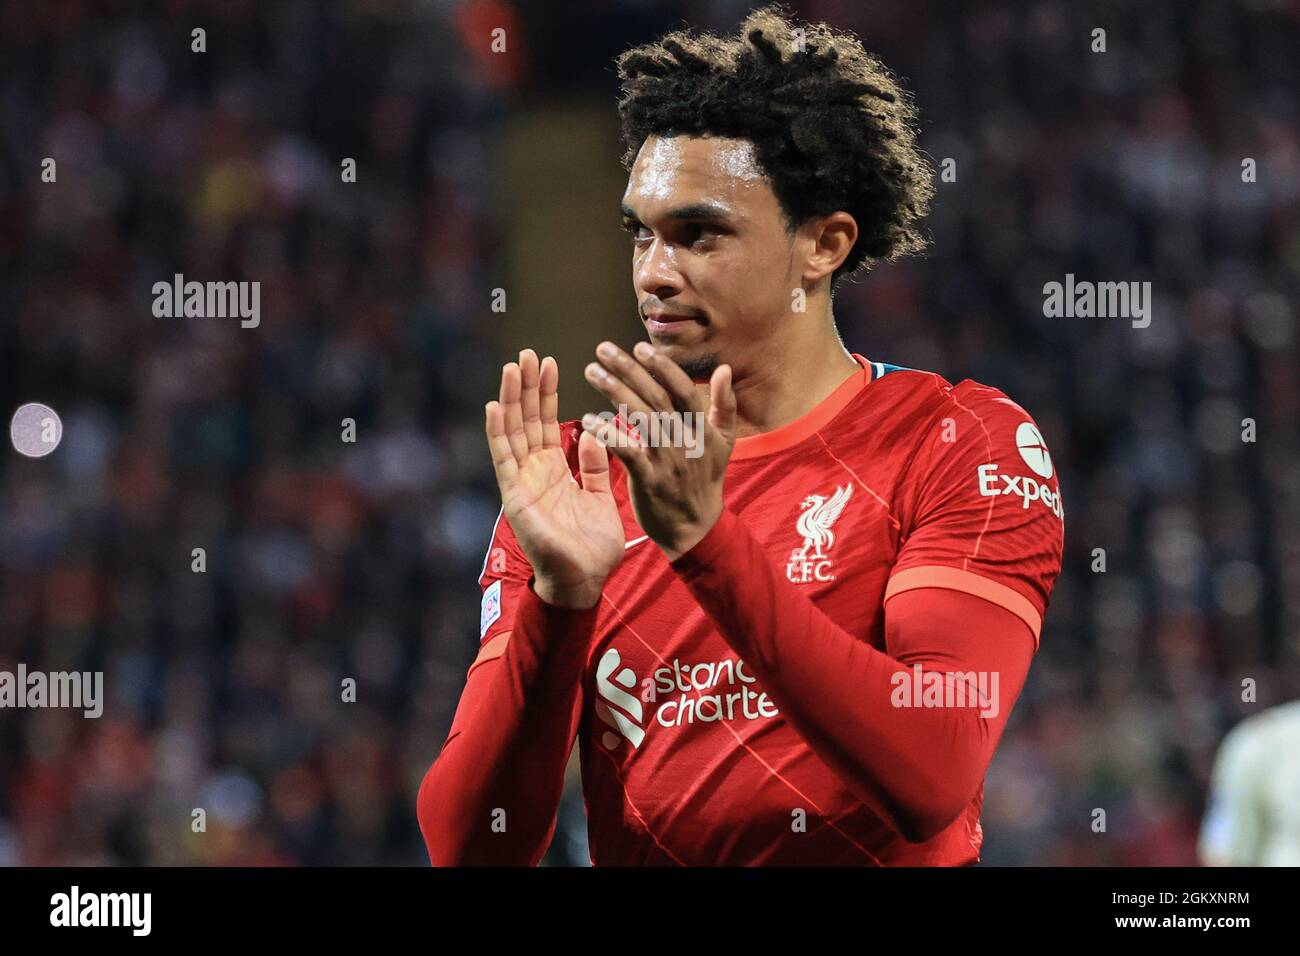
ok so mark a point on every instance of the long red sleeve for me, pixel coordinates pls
(491, 795)
(918, 767)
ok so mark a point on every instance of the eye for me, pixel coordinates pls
(694, 232)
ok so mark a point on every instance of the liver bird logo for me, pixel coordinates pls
(819, 514)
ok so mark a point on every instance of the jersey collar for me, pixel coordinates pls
(787, 436)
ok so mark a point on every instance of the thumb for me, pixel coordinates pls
(722, 402)
(593, 463)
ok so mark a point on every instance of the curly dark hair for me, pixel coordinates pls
(831, 127)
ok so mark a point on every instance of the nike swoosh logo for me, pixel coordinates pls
(631, 544)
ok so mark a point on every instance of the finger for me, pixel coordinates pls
(625, 446)
(529, 399)
(549, 403)
(678, 385)
(593, 464)
(503, 458)
(620, 395)
(632, 374)
(722, 402)
(511, 389)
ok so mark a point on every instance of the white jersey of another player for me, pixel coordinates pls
(1253, 814)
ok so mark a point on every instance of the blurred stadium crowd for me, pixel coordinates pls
(328, 559)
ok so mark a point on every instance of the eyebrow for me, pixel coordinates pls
(700, 210)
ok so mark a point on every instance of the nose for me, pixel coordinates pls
(655, 271)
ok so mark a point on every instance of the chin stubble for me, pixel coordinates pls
(700, 368)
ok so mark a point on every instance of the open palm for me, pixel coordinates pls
(570, 532)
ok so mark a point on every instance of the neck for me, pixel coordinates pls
(789, 377)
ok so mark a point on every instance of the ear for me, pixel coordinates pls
(831, 238)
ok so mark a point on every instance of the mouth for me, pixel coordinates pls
(666, 323)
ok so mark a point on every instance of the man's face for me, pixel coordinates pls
(713, 267)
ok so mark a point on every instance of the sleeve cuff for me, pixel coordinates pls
(533, 605)
(707, 549)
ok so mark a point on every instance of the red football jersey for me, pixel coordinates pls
(898, 480)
